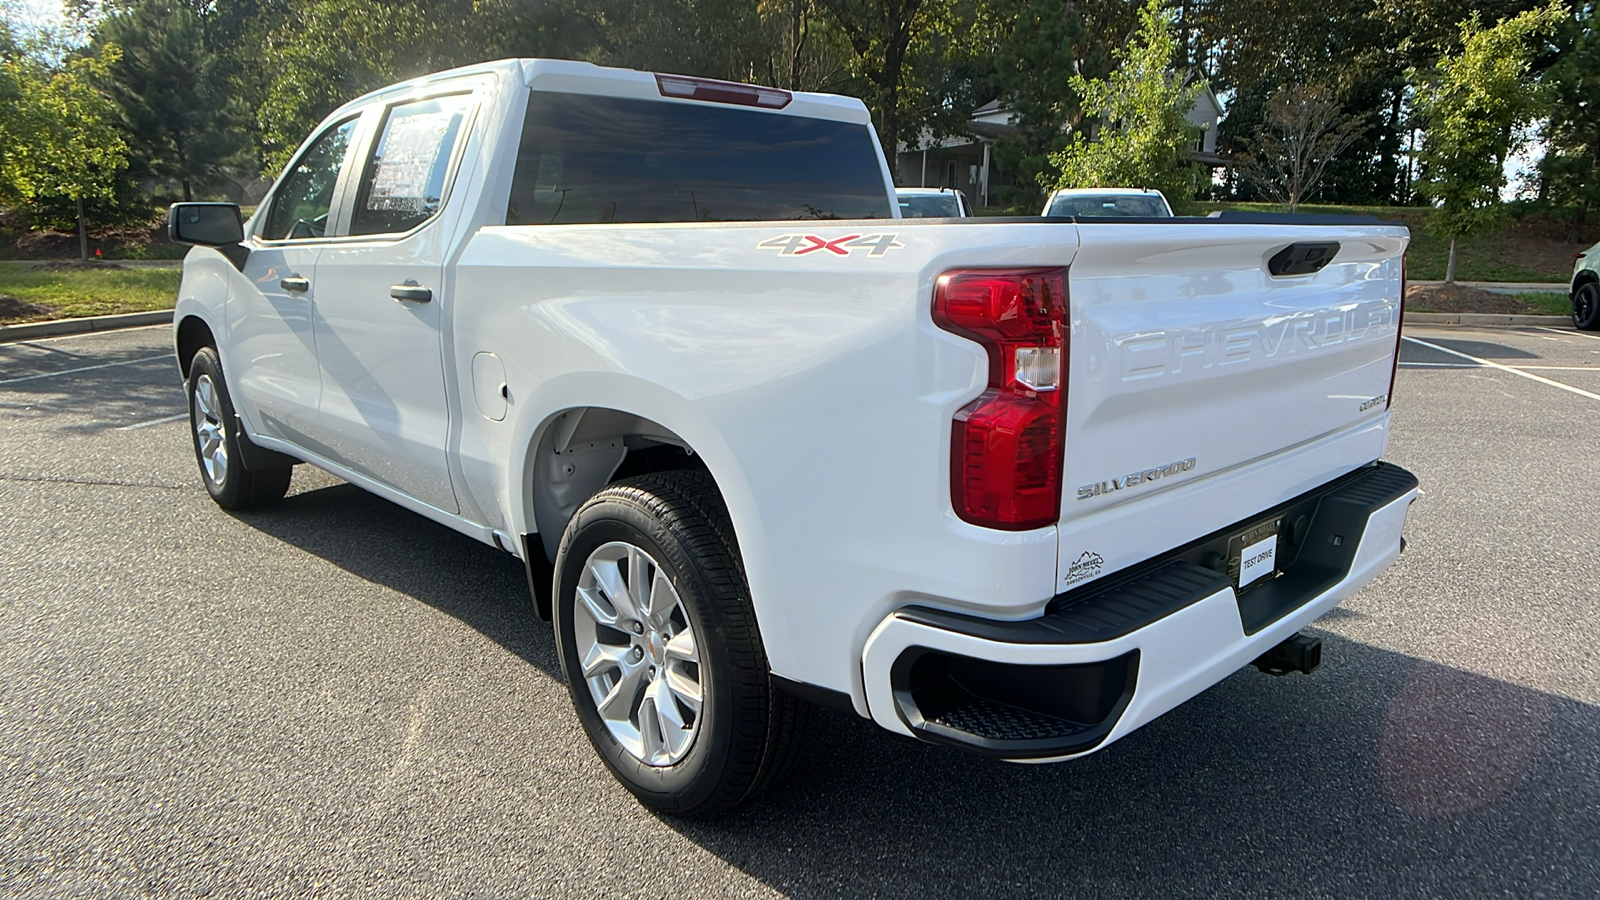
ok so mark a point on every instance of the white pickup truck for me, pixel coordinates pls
(1018, 486)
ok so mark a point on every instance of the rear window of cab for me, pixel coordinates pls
(592, 159)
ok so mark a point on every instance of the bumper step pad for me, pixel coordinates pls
(995, 721)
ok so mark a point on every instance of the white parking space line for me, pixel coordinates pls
(161, 421)
(126, 362)
(1423, 365)
(1494, 365)
(1558, 368)
(1569, 332)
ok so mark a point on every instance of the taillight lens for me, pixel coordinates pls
(1006, 446)
(1399, 324)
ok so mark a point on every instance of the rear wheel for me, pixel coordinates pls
(216, 442)
(1586, 306)
(659, 643)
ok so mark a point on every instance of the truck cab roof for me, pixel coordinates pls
(574, 77)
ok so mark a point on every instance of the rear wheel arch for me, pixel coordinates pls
(574, 455)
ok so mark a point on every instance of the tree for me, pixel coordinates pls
(1304, 131)
(10, 107)
(1034, 66)
(1474, 103)
(880, 32)
(785, 43)
(172, 104)
(327, 52)
(1362, 49)
(1571, 166)
(1143, 135)
(67, 145)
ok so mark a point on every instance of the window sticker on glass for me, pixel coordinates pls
(404, 182)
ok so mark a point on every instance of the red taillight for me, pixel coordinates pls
(715, 91)
(1006, 446)
(1400, 321)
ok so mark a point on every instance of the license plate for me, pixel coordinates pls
(1253, 554)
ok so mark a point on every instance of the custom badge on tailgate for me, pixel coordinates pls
(807, 244)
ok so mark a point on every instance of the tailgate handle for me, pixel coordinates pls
(1305, 258)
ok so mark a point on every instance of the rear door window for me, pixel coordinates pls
(404, 181)
(587, 159)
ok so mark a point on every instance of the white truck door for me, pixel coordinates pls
(271, 351)
(383, 409)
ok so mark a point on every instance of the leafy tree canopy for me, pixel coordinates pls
(175, 109)
(1144, 136)
(64, 141)
(1571, 168)
(1474, 102)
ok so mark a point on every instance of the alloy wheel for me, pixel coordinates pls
(210, 431)
(638, 653)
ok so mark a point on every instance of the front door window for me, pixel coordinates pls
(301, 206)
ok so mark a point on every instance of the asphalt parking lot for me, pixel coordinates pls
(336, 697)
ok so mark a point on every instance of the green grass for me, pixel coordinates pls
(93, 292)
(1546, 304)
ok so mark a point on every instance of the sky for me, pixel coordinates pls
(34, 13)
(38, 12)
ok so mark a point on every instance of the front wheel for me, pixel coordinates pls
(659, 644)
(216, 442)
(1586, 306)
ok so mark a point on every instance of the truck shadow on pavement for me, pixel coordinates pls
(1381, 774)
(1411, 352)
(385, 544)
(93, 400)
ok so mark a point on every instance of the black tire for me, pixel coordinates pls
(748, 732)
(1586, 306)
(231, 484)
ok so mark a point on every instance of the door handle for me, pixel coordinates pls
(411, 291)
(295, 283)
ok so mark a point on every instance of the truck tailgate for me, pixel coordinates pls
(1190, 360)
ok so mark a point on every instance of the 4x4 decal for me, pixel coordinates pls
(803, 244)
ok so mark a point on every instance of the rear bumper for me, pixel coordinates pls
(1109, 657)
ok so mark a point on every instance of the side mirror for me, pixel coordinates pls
(207, 224)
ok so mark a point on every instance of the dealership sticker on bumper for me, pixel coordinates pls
(1258, 560)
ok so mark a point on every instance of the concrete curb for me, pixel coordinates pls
(1484, 319)
(1507, 287)
(84, 325)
